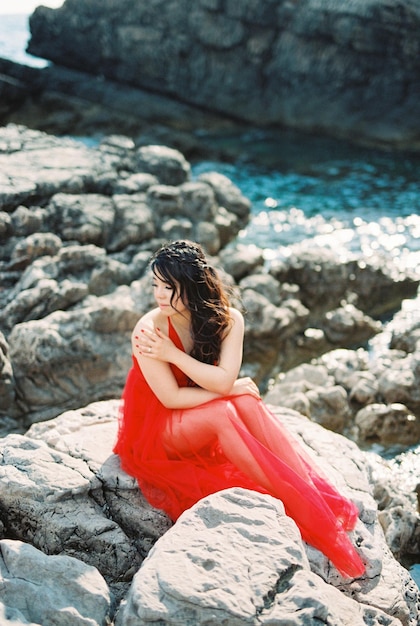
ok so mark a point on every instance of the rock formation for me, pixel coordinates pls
(77, 227)
(234, 557)
(349, 70)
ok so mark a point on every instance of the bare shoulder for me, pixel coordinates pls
(148, 321)
(236, 316)
(237, 320)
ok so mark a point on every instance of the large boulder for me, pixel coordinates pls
(350, 69)
(49, 589)
(256, 572)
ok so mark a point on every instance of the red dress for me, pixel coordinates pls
(174, 485)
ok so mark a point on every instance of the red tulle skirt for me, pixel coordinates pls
(174, 485)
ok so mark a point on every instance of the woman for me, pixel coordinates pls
(191, 427)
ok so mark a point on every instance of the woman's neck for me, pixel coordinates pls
(181, 320)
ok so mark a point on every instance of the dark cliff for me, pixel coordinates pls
(351, 69)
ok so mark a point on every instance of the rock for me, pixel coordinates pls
(36, 245)
(387, 424)
(227, 194)
(77, 240)
(400, 383)
(134, 223)
(242, 260)
(347, 321)
(83, 218)
(395, 483)
(70, 496)
(270, 582)
(318, 67)
(375, 396)
(268, 286)
(81, 244)
(168, 165)
(363, 388)
(269, 332)
(6, 376)
(65, 494)
(49, 505)
(66, 359)
(312, 391)
(41, 589)
(321, 277)
(34, 166)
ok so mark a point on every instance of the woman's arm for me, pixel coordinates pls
(161, 380)
(218, 379)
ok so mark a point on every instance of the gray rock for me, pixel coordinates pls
(38, 589)
(27, 221)
(321, 277)
(316, 66)
(36, 245)
(37, 302)
(227, 194)
(207, 235)
(400, 382)
(47, 502)
(268, 331)
(168, 165)
(164, 200)
(64, 493)
(6, 376)
(395, 482)
(86, 218)
(35, 165)
(387, 424)
(347, 322)
(241, 260)
(88, 434)
(378, 394)
(256, 572)
(266, 285)
(198, 199)
(134, 183)
(66, 359)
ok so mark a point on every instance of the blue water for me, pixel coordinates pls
(356, 201)
(331, 195)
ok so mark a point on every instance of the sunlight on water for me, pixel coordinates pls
(354, 208)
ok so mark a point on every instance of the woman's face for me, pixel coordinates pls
(163, 293)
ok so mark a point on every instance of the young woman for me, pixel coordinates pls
(190, 427)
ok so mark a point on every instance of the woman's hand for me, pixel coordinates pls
(243, 386)
(155, 344)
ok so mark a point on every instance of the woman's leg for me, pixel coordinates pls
(269, 431)
(265, 427)
(192, 429)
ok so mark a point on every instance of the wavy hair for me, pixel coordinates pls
(183, 265)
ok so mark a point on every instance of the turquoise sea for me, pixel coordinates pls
(356, 201)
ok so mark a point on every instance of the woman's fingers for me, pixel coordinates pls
(146, 342)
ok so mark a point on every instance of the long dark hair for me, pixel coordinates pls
(183, 265)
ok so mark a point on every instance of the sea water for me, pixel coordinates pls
(355, 201)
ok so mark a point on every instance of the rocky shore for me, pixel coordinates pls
(348, 71)
(78, 543)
